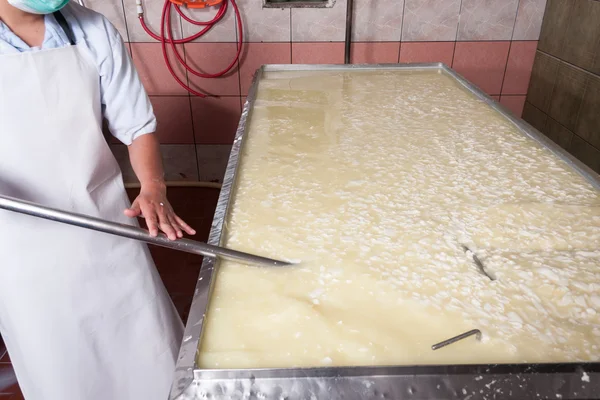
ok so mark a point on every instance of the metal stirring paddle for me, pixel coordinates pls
(132, 232)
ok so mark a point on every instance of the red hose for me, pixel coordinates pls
(220, 14)
(166, 36)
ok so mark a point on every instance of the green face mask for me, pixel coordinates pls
(38, 6)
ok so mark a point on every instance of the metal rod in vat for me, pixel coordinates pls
(455, 339)
(132, 232)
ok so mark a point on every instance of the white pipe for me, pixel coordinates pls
(139, 7)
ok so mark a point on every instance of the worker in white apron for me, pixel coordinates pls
(84, 315)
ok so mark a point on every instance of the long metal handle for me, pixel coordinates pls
(132, 232)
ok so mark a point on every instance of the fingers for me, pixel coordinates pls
(152, 219)
(133, 211)
(165, 224)
(175, 225)
(188, 229)
(159, 216)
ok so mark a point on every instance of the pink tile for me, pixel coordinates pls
(374, 53)
(150, 64)
(174, 118)
(514, 104)
(215, 119)
(210, 58)
(257, 54)
(483, 63)
(318, 53)
(497, 98)
(424, 52)
(518, 69)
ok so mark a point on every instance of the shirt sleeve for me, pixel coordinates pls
(125, 103)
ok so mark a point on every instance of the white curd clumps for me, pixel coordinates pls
(375, 181)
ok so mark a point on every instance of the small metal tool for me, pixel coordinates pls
(477, 262)
(132, 232)
(455, 339)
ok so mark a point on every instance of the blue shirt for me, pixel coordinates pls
(125, 104)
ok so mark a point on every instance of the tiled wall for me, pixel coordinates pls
(491, 42)
(564, 96)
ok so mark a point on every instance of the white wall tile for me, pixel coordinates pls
(319, 24)
(529, 19)
(113, 10)
(265, 24)
(152, 16)
(212, 161)
(379, 20)
(430, 20)
(223, 31)
(487, 19)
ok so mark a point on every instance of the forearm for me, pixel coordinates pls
(144, 154)
(152, 203)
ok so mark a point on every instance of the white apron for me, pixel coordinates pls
(85, 315)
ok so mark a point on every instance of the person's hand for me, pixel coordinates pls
(153, 206)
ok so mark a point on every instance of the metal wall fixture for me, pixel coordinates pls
(348, 40)
(298, 3)
(319, 4)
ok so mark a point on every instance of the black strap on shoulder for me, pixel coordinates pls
(65, 26)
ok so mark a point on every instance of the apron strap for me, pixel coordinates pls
(65, 26)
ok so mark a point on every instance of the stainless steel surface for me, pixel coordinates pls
(455, 339)
(465, 382)
(348, 42)
(132, 232)
(522, 381)
(471, 254)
